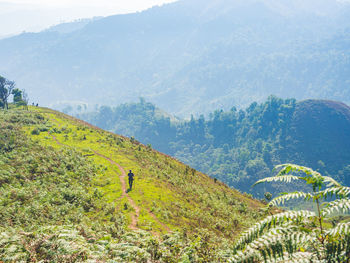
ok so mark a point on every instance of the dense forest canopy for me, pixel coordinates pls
(242, 146)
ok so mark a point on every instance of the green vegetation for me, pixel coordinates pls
(241, 146)
(7, 88)
(300, 236)
(62, 198)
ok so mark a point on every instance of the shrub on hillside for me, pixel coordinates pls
(35, 131)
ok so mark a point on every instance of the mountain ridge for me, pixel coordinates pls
(181, 53)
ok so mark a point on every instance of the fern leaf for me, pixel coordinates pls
(246, 256)
(298, 257)
(269, 222)
(290, 168)
(338, 191)
(284, 240)
(340, 229)
(340, 206)
(286, 197)
(282, 178)
(331, 182)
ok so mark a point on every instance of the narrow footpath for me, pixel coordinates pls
(135, 216)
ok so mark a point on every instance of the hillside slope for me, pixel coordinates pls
(242, 146)
(319, 134)
(64, 197)
(190, 56)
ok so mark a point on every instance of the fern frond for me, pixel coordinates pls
(246, 256)
(286, 197)
(284, 175)
(290, 168)
(339, 205)
(282, 178)
(268, 223)
(340, 229)
(293, 236)
(281, 235)
(298, 257)
(331, 182)
(281, 242)
(338, 191)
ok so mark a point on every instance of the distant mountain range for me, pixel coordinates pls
(190, 56)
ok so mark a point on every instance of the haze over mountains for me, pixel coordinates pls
(190, 56)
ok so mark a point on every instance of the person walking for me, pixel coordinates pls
(131, 179)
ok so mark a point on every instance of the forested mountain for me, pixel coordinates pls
(64, 198)
(191, 56)
(242, 146)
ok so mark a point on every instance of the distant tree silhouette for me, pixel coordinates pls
(6, 88)
(17, 96)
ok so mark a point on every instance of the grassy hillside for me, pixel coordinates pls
(63, 197)
(242, 146)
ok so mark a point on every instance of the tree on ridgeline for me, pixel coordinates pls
(300, 236)
(6, 88)
(20, 98)
(17, 96)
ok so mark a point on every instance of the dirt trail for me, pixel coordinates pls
(135, 216)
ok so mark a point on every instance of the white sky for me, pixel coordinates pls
(34, 15)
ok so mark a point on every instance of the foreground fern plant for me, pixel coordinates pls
(300, 236)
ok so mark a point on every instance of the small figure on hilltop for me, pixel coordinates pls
(131, 179)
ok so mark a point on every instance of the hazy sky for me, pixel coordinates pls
(34, 15)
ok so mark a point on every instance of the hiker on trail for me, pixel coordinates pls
(131, 179)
